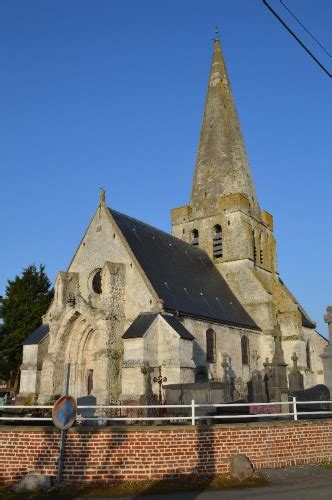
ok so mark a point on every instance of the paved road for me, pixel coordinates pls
(322, 492)
(292, 483)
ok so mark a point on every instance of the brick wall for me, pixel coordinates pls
(114, 454)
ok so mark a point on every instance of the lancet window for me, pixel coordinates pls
(211, 346)
(308, 355)
(245, 350)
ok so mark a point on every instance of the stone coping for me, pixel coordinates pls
(162, 428)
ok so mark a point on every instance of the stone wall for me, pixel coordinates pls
(136, 453)
(228, 341)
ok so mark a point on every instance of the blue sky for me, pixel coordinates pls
(111, 93)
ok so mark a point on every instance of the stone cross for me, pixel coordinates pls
(255, 358)
(266, 364)
(160, 379)
(328, 320)
(102, 195)
(226, 382)
(327, 354)
(295, 377)
(295, 359)
(148, 393)
(224, 365)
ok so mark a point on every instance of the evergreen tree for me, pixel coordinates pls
(27, 298)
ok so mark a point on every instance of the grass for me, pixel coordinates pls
(327, 465)
(190, 483)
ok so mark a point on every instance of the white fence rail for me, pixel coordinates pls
(194, 412)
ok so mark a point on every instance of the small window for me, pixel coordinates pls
(245, 350)
(308, 355)
(96, 282)
(217, 242)
(90, 382)
(194, 237)
(210, 346)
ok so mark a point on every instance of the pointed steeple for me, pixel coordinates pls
(222, 166)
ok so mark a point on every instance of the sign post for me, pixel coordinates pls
(64, 414)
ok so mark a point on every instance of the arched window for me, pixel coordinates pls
(245, 350)
(194, 237)
(96, 282)
(210, 346)
(308, 355)
(217, 241)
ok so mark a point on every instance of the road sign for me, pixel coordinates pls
(64, 412)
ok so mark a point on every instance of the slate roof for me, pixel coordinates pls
(37, 336)
(183, 276)
(144, 320)
(178, 327)
(306, 320)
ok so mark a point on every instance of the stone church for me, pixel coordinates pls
(134, 296)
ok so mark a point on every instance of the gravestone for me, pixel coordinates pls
(318, 392)
(240, 389)
(278, 383)
(209, 392)
(256, 388)
(225, 379)
(148, 398)
(295, 377)
(87, 412)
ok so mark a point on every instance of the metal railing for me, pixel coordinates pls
(102, 414)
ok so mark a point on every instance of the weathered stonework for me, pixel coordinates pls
(223, 195)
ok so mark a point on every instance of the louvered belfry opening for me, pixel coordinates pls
(217, 242)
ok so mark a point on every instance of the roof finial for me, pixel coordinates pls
(102, 195)
(216, 34)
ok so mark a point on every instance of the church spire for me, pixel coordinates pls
(222, 166)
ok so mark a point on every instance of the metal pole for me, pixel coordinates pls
(192, 412)
(63, 433)
(294, 408)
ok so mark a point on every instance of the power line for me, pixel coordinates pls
(297, 38)
(305, 28)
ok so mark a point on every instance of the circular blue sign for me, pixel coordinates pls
(64, 412)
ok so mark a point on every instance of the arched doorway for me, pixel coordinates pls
(80, 349)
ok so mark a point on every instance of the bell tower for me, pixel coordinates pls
(223, 216)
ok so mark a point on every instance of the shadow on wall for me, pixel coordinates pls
(205, 467)
(106, 466)
(115, 452)
(46, 460)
